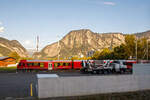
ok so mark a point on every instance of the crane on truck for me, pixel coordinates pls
(109, 67)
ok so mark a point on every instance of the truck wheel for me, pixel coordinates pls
(109, 71)
(83, 71)
(122, 71)
(94, 72)
(131, 71)
(113, 71)
(105, 71)
(97, 72)
(100, 72)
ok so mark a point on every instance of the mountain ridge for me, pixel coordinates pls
(8, 46)
(79, 42)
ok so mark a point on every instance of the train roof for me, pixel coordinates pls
(48, 60)
(35, 60)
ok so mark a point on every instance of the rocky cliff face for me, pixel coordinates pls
(79, 42)
(8, 46)
(143, 34)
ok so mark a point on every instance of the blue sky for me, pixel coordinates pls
(23, 20)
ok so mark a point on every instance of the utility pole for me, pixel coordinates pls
(147, 49)
(136, 48)
(37, 46)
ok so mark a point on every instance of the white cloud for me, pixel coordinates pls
(1, 29)
(109, 3)
(27, 42)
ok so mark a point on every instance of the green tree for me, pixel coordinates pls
(141, 48)
(120, 52)
(104, 54)
(126, 50)
(130, 45)
(96, 55)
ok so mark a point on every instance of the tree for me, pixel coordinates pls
(104, 54)
(126, 50)
(130, 45)
(142, 48)
(120, 52)
(96, 55)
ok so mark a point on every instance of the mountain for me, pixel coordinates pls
(79, 42)
(143, 34)
(8, 46)
(31, 52)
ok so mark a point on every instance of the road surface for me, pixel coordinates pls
(17, 85)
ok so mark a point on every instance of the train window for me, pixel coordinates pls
(64, 64)
(58, 64)
(38, 64)
(55, 64)
(41, 64)
(69, 64)
(20, 64)
(35, 64)
(23, 64)
(61, 64)
(29, 64)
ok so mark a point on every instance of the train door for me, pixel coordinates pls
(50, 66)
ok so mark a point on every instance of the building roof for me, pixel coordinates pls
(5, 57)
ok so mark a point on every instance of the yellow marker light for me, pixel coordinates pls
(31, 92)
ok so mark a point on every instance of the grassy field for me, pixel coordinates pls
(8, 69)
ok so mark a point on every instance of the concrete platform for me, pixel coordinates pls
(88, 85)
(46, 75)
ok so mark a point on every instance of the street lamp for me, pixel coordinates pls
(147, 48)
(136, 47)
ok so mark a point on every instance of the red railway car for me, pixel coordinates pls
(48, 64)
